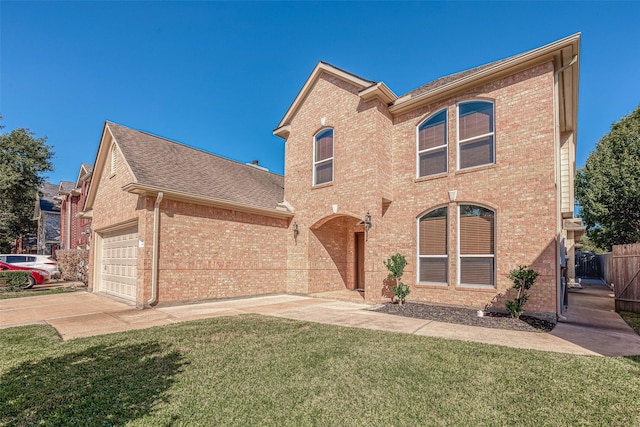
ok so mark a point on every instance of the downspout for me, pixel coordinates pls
(68, 242)
(154, 259)
(558, 179)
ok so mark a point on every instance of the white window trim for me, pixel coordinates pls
(439, 147)
(418, 256)
(330, 159)
(459, 256)
(475, 138)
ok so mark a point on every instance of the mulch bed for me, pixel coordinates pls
(466, 316)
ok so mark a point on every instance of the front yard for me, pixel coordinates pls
(253, 370)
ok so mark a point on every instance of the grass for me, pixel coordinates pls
(632, 319)
(254, 370)
(34, 292)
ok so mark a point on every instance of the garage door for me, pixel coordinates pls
(119, 252)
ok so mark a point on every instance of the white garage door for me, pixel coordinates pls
(119, 252)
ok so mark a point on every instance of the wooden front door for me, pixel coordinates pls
(359, 261)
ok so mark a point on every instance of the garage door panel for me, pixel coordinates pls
(119, 257)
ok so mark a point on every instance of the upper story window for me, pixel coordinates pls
(323, 157)
(476, 246)
(432, 247)
(432, 145)
(476, 142)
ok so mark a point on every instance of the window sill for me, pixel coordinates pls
(476, 169)
(475, 288)
(326, 184)
(432, 285)
(430, 177)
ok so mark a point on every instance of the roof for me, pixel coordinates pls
(88, 167)
(563, 53)
(66, 186)
(451, 78)
(45, 197)
(168, 165)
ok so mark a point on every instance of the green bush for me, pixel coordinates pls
(396, 264)
(13, 281)
(523, 279)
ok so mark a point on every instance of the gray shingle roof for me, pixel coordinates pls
(450, 78)
(169, 165)
(66, 186)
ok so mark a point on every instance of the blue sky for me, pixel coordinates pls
(220, 75)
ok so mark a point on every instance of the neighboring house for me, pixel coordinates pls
(468, 176)
(74, 229)
(47, 214)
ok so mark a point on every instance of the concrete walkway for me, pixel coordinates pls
(83, 314)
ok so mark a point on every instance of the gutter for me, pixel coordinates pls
(154, 260)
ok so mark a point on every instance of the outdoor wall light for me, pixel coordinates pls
(367, 225)
(296, 231)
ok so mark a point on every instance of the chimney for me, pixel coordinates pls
(254, 162)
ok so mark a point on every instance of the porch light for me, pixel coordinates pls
(367, 225)
(295, 231)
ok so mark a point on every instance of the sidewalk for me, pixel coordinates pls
(83, 314)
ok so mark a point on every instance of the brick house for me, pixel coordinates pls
(74, 229)
(468, 176)
(47, 215)
(172, 223)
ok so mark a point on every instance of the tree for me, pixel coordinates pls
(23, 161)
(608, 186)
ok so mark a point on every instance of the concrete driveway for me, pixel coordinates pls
(83, 314)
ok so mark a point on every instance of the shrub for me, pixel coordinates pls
(523, 279)
(396, 264)
(13, 281)
(74, 264)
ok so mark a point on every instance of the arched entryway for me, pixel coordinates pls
(336, 257)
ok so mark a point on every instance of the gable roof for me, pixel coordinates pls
(45, 199)
(65, 187)
(563, 53)
(183, 172)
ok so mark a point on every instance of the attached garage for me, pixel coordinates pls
(118, 263)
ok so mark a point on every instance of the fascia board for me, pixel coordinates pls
(306, 88)
(149, 190)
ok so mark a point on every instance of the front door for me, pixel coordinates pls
(359, 261)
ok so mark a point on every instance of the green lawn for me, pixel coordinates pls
(254, 370)
(632, 319)
(34, 292)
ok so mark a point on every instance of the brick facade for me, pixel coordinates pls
(209, 251)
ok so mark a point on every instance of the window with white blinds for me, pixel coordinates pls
(323, 157)
(476, 246)
(433, 247)
(476, 136)
(432, 145)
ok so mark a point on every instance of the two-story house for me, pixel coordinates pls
(74, 228)
(468, 176)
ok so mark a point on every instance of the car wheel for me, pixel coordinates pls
(30, 284)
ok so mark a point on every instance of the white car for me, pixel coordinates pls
(41, 262)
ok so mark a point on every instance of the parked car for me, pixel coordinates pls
(38, 276)
(41, 262)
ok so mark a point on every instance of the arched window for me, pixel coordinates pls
(476, 142)
(476, 259)
(323, 157)
(432, 145)
(432, 247)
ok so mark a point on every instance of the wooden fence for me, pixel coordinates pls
(624, 273)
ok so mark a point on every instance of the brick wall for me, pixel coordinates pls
(208, 252)
(375, 159)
